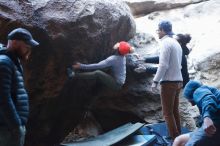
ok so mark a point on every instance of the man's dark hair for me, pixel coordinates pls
(184, 38)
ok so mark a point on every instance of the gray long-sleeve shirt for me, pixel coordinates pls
(117, 63)
(169, 61)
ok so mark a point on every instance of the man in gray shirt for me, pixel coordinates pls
(170, 77)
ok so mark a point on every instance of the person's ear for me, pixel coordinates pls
(132, 50)
(116, 46)
(13, 44)
(163, 32)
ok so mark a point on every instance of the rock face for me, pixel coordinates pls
(68, 31)
(201, 21)
(85, 30)
(143, 7)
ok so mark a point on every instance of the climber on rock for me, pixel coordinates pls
(116, 63)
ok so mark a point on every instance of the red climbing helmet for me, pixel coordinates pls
(124, 48)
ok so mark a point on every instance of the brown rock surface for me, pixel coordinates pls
(68, 31)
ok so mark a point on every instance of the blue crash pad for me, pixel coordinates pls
(130, 134)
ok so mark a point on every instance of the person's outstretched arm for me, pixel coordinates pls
(154, 59)
(102, 64)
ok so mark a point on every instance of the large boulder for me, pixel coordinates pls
(68, 31)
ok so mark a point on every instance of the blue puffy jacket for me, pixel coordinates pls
(207, 99)
(14, 106)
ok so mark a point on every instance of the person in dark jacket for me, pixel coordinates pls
(207, 99)
(14, 106)
(183, 40)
